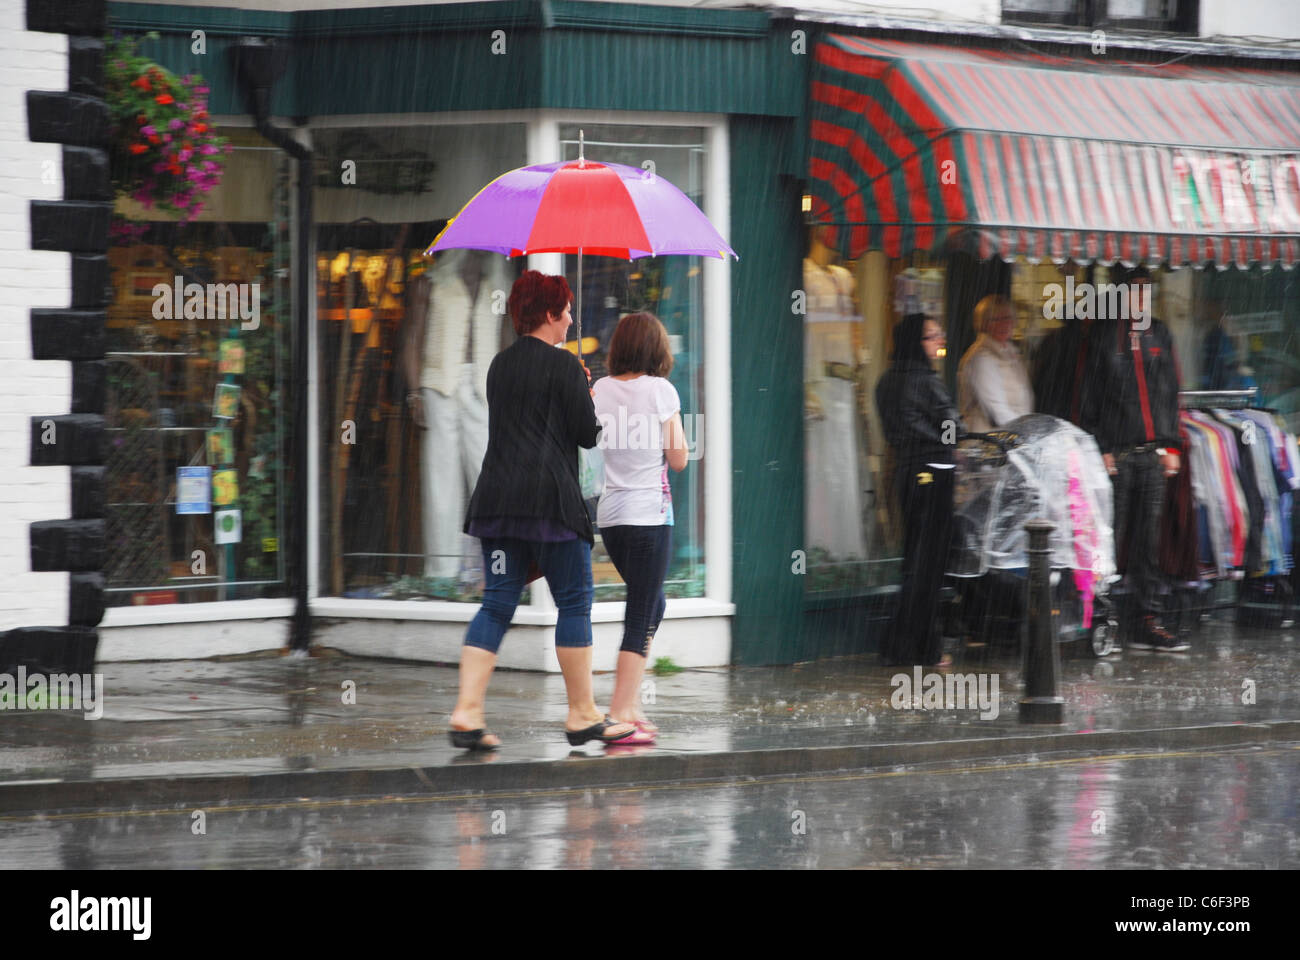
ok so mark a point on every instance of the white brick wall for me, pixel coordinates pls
(28, 278)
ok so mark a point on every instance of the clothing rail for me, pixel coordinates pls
(1224, 399)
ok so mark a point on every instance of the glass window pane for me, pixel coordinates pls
(403, 407)
(671, 288)
(198, 390)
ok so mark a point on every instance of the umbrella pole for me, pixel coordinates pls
(578, 318)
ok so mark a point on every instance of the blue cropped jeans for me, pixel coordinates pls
(567, 569)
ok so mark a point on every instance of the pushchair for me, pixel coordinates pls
(1038, 467)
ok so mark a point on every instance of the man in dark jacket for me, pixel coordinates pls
(1131, 407)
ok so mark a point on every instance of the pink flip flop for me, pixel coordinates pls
(640, 738)
(645, 726)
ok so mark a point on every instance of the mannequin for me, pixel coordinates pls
(832, 367)
(452, 336)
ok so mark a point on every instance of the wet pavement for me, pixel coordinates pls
(274, 727)
(1232, 809)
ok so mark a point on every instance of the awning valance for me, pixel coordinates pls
(1013, 154)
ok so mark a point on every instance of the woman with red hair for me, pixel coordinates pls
(527, 509)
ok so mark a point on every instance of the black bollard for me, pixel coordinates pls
(1042, 666)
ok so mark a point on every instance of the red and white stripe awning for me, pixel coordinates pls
(1013, 154)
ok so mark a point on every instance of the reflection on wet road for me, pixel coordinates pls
(1219, 809)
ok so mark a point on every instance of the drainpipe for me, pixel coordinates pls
(258, 63)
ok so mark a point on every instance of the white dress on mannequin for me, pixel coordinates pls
(832, 493)
(461, 336)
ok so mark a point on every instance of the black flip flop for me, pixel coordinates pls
(471, 740)
(596, 732)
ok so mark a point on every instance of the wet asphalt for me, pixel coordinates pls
(1163, 761)
(1233, 809)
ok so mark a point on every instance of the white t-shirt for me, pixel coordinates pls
(632, 414)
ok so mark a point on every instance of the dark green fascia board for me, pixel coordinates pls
(648, 18)
(502, 14)
(136, 18)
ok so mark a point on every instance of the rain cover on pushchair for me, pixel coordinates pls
(1038, 467)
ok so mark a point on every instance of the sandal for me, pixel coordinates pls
(471, 740)
(597, 732)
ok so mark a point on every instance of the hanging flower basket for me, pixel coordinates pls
(164, 152)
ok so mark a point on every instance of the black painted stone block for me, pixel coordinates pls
(74, 439)
(77, 226)
(80, 17)
(49, 649)
(67, 545)
(85, 598)
(59, 334)
(85, 174)
(89, 386)
(86, 66)
(91, 280)
(55, 117)
(87, 492)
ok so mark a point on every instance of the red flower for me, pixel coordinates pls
(200, 128)
(164, 98)
(138, 148)
(155, 140)
(142, 83)
(174, 169)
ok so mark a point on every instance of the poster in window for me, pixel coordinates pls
(221, 446)
(226, 526)
(231, 357)
(225, 404)
(225, 487)
(193, 489)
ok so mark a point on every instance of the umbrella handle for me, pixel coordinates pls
(578, 299)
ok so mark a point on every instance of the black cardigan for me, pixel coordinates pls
(539, 412)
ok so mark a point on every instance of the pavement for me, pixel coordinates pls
(278, 727)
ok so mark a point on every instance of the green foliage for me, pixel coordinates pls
(664, 667)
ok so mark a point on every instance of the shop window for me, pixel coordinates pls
(198, 399)
(403, 417)
(1171, 16)
(852, 526)
(671, 288)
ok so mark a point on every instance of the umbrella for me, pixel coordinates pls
(582, 206)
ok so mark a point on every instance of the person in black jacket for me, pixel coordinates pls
(528, 511)
(922, 426)
(1131, 407)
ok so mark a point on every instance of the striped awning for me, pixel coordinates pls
(927, 147)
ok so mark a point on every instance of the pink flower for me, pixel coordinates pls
(175, 123)
(184, 155)
(208, 150)
(148, 130)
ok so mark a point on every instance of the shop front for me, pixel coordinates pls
(939, 174)
(202, 473)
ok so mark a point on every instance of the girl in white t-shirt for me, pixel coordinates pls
(641, 438)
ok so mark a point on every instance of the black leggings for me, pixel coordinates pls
(925, 494)
(640, 555)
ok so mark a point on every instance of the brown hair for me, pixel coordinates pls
(534, 296)
(639, 345)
